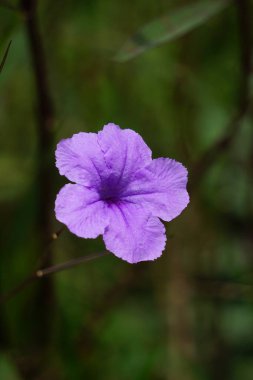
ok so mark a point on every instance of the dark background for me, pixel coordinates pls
(188, 315)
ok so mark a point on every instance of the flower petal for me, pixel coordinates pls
(124, 151)
(81, 210)
(133, 234)
(80, 159)
(160, 188)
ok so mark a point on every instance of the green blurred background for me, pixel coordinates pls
(188, 315)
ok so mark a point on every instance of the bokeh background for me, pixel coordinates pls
(75, 66)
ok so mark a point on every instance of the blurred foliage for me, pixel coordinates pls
(7, 369)
(169, 27)
(189, 314)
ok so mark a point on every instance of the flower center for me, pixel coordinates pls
(110, 192)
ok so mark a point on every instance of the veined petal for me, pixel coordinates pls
(133, 234)
(80, 159)
(124, 151)
(160, 188)
(82, 211)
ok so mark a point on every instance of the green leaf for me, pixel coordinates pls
(4, 57)
(169, 27)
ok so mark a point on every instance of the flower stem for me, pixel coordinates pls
(68, 265)
(44, 272)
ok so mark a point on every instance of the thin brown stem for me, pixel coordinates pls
(29, 279)
(67, 265)
(17, 289)
(45, 121)
(5, 56)
(45, 114)
(244, 22)
(45, 272)
(43, 259)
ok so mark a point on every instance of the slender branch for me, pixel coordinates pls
(43, 259)
(44, 272)
(244, 22)
(45, 121)
(45, 113)
(67, 265)
(29, 279)
(45, 103)
(17, 289)
(209, 157)
(5, 56)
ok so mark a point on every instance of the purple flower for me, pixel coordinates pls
(119, 191)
